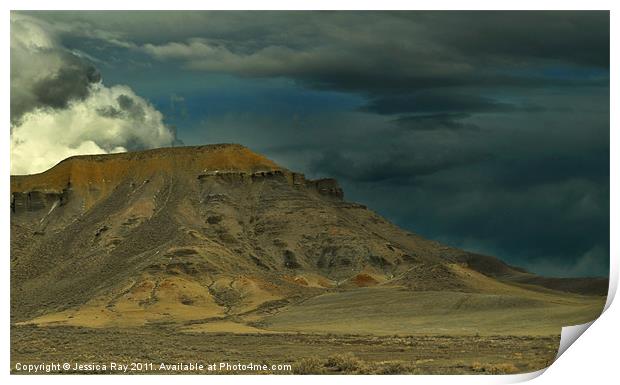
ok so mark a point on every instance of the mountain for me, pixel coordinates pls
(221, 238)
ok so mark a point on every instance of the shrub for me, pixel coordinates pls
(395, 367)
(310, 365)
(290, 260)
(494, 368)
(346, 363)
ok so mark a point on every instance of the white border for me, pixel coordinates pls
(592, 359)
(314, 5)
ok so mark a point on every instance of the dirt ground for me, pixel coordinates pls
(305, 353)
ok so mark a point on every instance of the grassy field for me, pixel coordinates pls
(366, 330)
(305, 353)
(388, 311)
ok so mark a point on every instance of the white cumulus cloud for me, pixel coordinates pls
(60, 107)
(109, 119)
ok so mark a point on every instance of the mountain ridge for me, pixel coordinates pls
(106, 171)
(220, 232)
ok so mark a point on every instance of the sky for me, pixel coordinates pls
(487, 131)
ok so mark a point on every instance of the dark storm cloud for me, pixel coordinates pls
(435, 102)
(396, 166)
(71, 81)
(442, 121)
(592, 166)
(110, 112)
(581, 38)
(130, 107)
(555, 221)
(363, 50)
(486, 130)
(126, 108)
(568, 36)
(395, 52)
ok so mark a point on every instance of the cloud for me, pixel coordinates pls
(387, 52)
(587, 264)
(439, 121)
(109, 119)
(577, 37)
(398, 166)
(435, 102)
(279, 61)
(42, 73)
(60, 108)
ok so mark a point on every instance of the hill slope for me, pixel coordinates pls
(220, 238)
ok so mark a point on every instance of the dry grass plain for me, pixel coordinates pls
(306, 353)
(388, 311)
(362, 331)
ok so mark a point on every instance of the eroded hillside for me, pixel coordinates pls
(221, 238)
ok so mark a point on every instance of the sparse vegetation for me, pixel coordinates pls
(290, 261)
(346, 363)
(214, 219)
(494, 368)
(311, 365)
(307, 353)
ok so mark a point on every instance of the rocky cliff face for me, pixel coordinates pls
(191, 233)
